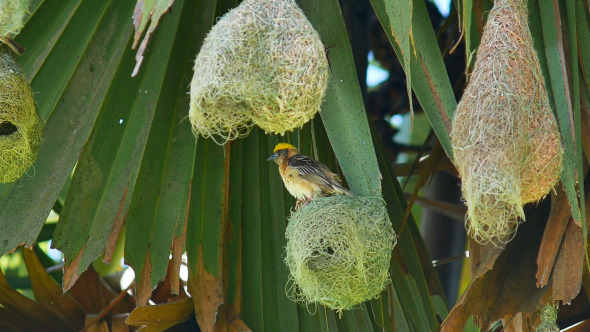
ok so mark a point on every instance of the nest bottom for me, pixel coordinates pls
(495, 205)
(226, 123)
(338, 251)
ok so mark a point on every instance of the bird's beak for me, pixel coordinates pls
(274, 156)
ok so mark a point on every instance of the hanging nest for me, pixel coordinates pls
(12, 14)
(338, 251)
(262, 63)
(506, 142)
(20, 126)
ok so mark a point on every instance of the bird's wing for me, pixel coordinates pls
(312, 170)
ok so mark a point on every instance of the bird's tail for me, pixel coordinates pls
(340, 190)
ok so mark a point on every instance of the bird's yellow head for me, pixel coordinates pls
(284, 146)
(281, 151)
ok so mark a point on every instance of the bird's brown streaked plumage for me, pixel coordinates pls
(304, 177)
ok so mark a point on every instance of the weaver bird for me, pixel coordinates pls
(304, 177)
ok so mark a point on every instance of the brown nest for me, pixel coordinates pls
(506, 142)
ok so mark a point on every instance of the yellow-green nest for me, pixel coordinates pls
(20, 126)
(338, 251)
(506, 143)
(12, 14)
(262, 63)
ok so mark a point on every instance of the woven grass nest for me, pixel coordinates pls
(262, 63)
(506, 142)
(12, 14)
(20, 126)
(338, 251)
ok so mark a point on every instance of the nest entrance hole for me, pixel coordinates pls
(326, 250)
(7, 128)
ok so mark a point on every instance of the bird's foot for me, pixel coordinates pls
(301, 202)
